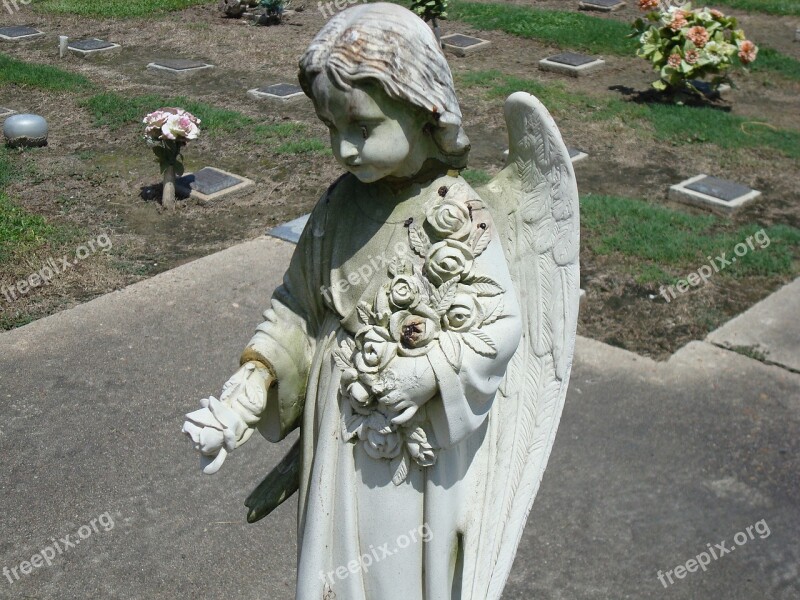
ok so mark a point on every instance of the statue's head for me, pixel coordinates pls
(380, 82)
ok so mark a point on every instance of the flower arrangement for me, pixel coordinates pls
(435, 299)
(167, 131)
(686, 44)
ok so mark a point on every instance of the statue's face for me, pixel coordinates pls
(372, 136)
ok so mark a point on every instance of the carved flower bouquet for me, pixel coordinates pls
(167, 131)
(686, 45)
(428, 300)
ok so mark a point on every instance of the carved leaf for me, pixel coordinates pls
(342, 359)
(487, 289)
(481, 241)
(480, 342)
(420, 241)
(400, 467)
(442, 298)
(451, 347)
(495, 313)
(365, 313)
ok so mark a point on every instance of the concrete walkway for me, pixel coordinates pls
(653, 461)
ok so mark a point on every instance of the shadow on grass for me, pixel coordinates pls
(710, 99)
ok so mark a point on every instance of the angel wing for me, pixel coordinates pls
(534, 203)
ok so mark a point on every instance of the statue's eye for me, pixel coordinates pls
(364, 132)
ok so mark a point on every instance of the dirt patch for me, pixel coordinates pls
(91, 178)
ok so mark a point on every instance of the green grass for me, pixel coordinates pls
(476, 177)
(114, 9)
(776, 62)
(671, 123)
(115, 111)
(303, 147)
(565, 29)
(771, 7)
(44, 77)
(672, 243)
(19, 230)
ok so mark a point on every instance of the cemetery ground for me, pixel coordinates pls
(97, 175)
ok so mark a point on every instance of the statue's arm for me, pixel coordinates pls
(467, 389)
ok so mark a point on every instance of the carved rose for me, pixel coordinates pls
(404, 292)
(413, 332)
(464, 314)
(448, 260)
(376, 349)
(383, 445)
(450, 219)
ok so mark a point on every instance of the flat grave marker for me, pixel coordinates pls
(92, 46)
(277, 91)
(210, 183)
(178, 67)
(601, 5)
(19, 33)
(461, 45)
(571, 63)
(290, 231)
(712, 192)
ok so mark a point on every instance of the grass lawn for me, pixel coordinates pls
(671, 243)
(675, 124)
(114, 9)
(576, 31)
(115, 111)
(771, 7)
(40, 76)
(566, 29)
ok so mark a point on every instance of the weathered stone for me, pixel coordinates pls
(571, 63)
(601, 5)
(712, 192)
(19, 33)
(178, 67)
(277, 91)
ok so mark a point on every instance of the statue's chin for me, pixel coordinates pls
(366, 174)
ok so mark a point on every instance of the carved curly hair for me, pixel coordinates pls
(391, 46)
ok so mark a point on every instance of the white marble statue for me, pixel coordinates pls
(423, 336)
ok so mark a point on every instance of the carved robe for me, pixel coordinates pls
(361, 535)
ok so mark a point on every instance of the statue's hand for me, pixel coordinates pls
(224, 424)
(414, 384)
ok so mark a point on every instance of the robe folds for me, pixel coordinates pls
(361, 536)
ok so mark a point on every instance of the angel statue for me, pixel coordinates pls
(422, 338)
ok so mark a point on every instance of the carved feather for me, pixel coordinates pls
(534, 204)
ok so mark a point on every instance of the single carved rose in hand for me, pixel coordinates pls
(450, 218)
(413, 332)
(448, 260)
(383, 445)
(464, 314)
(376, 349)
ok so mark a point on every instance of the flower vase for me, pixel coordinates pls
(168, 194)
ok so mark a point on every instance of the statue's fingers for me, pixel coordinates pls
(405, 416)
(211, 465)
